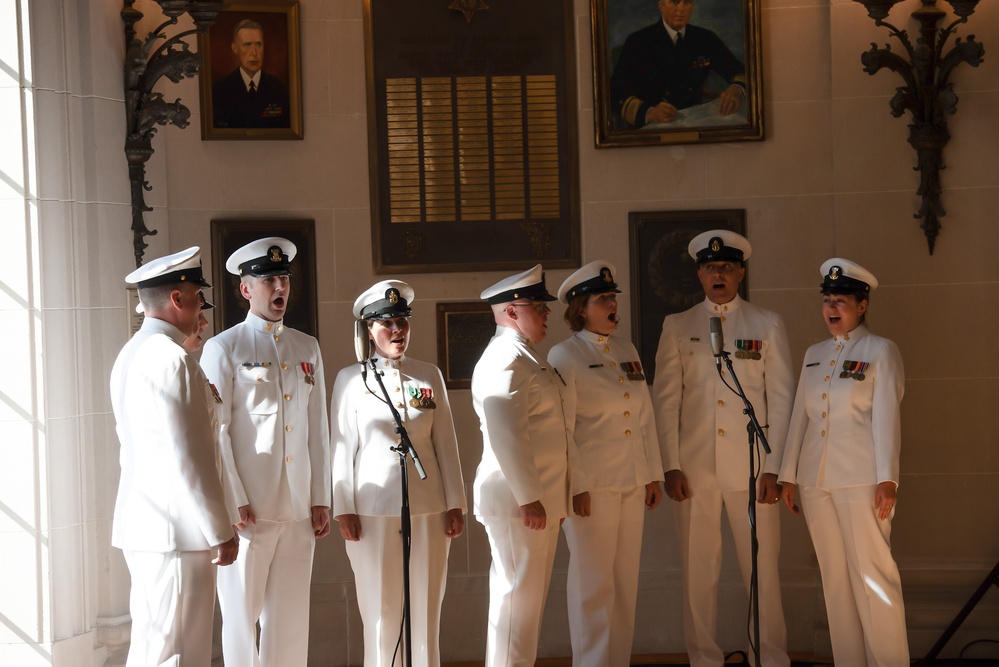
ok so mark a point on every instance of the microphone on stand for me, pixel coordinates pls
(362, 346)
(717, 339)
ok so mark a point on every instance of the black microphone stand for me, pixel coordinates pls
(404, 448)
(754, 431)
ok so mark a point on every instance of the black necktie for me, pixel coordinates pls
(253, 88)
(679, 39)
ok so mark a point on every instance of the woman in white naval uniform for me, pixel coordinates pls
(367, 494)
(608, 412)
(842, 458)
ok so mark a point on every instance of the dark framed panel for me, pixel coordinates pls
(274, 110)
(230, 235)
(472, 135)
(463, 331)
(637, 66)
(664, 276)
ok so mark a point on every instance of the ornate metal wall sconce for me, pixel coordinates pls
(145, 64)
(927, 94)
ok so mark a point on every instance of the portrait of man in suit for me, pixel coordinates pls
(248, 96)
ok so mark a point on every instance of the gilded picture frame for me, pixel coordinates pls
(638, 65)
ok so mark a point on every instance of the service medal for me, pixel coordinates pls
(855, 370)
(748, 349)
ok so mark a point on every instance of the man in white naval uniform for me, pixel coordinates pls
(171, 518)
(275, 442)
(702, 431)
(609, 415)
(522, 484)
(367, 481)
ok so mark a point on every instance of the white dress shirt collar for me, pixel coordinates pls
(255, 78)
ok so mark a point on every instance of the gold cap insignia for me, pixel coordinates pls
(834, 273)
(393, 296)
(606, 274)
(716, 244)
(275, 253)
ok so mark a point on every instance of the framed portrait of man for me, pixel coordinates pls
(251, 74)
(676, 71)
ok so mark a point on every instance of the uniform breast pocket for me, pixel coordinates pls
(257, 390)
(698, 363)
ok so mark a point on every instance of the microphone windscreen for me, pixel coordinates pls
(716, 336)
(361, 341)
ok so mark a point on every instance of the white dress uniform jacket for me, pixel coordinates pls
(846, 431)
(844, 440)
(609, 414)
(172, 505)
(701, 425)
(275, 444)
(366, 473)
(527, 456)
(702, 431)
(526, 453)
(367, 482)
(171, 495)
(275, 431)
(608, 411)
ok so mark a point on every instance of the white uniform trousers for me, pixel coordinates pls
(519, 575)
(860, 581)
(269, 582)
(698, 522)
(172, 603)
(377, 563)
(602, 587)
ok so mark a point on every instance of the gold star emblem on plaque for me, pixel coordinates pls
(468, 7)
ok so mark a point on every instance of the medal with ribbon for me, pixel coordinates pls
(310, 372)
(748, 349)
(215, 393)
(634, 370)
(855, 370)
(422, 397)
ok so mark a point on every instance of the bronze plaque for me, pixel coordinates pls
(463, 331)
(472, 135)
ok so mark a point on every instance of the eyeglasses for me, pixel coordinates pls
(540, 307)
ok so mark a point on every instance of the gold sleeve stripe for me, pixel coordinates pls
(630, 108)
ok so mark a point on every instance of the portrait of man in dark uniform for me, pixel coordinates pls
(249, 97)
(663, 69)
